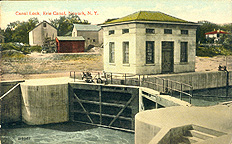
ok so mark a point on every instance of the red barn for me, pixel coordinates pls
(67, 44)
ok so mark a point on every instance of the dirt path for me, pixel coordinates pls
(51, 66)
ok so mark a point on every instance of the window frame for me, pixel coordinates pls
(111, 32)
(126, 52)
(167, 31)
(148, 31)
(150, 52)
(44, 25)
(184, 32)
(184, 52)
(124, 31)
(111, 52)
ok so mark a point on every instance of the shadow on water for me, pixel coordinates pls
(65, 127)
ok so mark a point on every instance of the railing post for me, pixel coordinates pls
(171, 89)
(167, 86)
(163, 85)
(111, 79)
(74, 76)
(190, 98)
(70, 74)
(105, 77)
(139, 80)
(181, 91)
(125, 79)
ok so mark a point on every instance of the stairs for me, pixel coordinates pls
(199, 134)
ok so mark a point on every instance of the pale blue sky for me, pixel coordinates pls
(216, 11)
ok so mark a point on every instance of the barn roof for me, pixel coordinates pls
(217, 32)
(86, 27)
(44, 21)
(69, 38)
(148, 16)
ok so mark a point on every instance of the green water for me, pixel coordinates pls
(63, 133)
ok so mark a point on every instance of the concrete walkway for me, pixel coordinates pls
(217, 117)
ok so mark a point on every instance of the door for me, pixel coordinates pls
(167, 56)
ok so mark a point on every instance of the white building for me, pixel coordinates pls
(215, 35)
(148, 42)
(40, 32)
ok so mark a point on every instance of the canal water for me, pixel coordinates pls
(76, 133)
(63, 133)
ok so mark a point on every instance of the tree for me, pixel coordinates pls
(205, 27)
(65, 24)
(19, 31)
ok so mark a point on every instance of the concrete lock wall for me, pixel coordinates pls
(44, 104)
(200, 80)
(10, 106)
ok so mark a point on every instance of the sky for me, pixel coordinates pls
(97, 11)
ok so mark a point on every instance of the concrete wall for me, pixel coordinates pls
(44, 104)
(137, 38)
(201, 80)
(158, 37)
(118, 38)
(38, 34)
(10, 107)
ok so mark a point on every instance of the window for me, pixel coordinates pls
(167, 31)
(125, 52)
(111, 32)
(149, 52)
(184, 32)
(93, 40)
(44, 25)
(111, 52)
(150, 31)
(184, 52)
(125, 31)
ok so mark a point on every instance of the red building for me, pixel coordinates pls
(67, 44)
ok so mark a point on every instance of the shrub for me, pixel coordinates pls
(12, 53)
(35, 49)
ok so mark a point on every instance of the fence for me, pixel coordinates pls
(164, 86)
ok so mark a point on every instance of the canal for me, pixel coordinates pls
(63, 133)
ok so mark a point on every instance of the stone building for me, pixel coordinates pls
(148, 42)
(40, 32)
(91, 33)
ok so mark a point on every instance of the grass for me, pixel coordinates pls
(212, 51)
(52, 64)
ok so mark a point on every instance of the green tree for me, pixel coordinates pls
(65, 24)
(204, 28)
(19, 31)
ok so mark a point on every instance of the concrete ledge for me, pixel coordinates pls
(45, 101)
(215, 117)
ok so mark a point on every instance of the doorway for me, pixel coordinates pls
(167, 56)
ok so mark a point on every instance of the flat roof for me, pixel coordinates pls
(86, 27)
(70, 38)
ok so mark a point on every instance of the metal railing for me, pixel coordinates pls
(162, 85)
